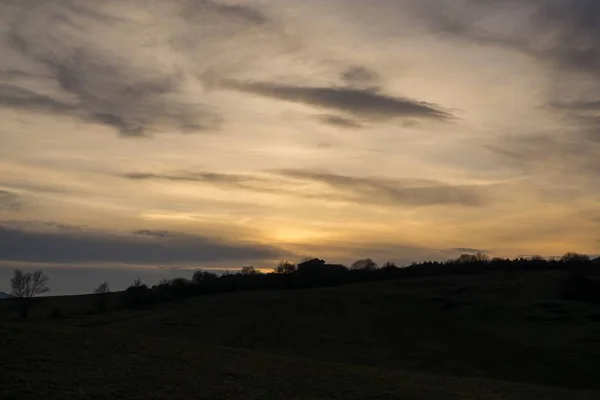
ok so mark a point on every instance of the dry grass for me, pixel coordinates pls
(503, 336)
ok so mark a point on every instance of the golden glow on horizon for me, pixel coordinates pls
(255, 131)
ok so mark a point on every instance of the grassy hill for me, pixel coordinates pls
(489, 336)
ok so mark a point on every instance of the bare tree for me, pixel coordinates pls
(25, 286)
(575, 258)
(537, 258)
(137, 283)
(285, 267)
(101, 293)
(201, 277)
(364, 264)
(478, 257)
(249, 270)
(102, 288)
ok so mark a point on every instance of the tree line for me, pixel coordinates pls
(581, 284)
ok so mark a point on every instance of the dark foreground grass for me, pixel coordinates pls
(494, 336)
(499, 326)
(58, 362)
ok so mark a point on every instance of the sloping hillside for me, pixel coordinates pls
(499, 326)
(490, 336)
(58, 361)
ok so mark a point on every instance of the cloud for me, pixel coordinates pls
(106, 67)
(10, 74)
(371, 190)
(580, 106)
(367, 104)
(468, 250)
(12, 96)
(243, 13)
(64, 227)
(564, 33)
(9, 201)
(563, 40)
(582, 114)
(570, 154)
(394, 191)
(574, 28)
(149, 248)
(105, 92)
(228, 180)
(269, 184)
(340, 122)
(358, 76)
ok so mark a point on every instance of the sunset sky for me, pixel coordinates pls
(151, 138)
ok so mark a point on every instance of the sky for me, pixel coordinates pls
(153, 138)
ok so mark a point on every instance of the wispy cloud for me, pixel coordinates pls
(468, 250)
(197, 9)
(570, 154)
(12, 96)
(360, 76)
(62, 245)
(565, 33)
(370, 190)
(62, 41)
(9, 201)
(395, 191)
(368, 104)
(340, 122)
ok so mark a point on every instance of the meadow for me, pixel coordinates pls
(494, 335)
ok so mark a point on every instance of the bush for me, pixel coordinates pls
(136, 295)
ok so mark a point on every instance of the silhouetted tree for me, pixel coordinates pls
(575, 258)
(137, 283)
(463, 259)
(181, 287)
(249, 270)
(285, 267)
(478, 257)
(25, 286)
(537, 258)
(102, 288)
(315, 272)
(101, 295)
(365, 264)
(202, 277)
(136, 295)
(481, 257)
(163, 281)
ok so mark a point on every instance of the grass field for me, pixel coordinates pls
(491, 336)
